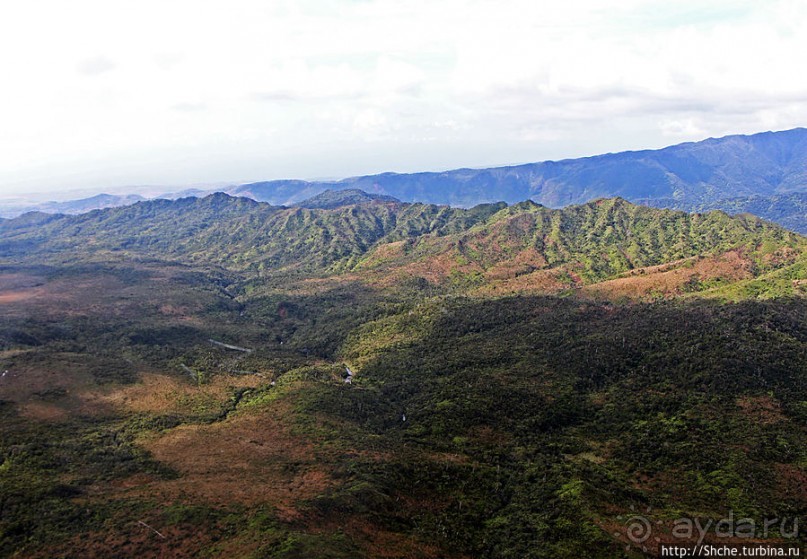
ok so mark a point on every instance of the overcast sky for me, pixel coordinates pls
(104, 94)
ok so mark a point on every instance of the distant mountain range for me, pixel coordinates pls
(701, 172)
(765, 174)
(97, 202)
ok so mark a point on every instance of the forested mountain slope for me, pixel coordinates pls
(592, 241)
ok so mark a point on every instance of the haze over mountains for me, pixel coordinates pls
(764, 174)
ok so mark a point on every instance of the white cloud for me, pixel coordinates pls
(685, 128)
(262, 89)
(96, 65)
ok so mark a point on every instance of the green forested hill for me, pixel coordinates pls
(331, 199)
(232, 232)
(595, 240)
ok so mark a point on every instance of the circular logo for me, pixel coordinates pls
(638, 529)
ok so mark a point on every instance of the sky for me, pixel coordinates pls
(109, 95)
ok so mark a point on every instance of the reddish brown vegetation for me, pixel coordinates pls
(762, 409)
(670, 279)
(251, 458)
(157, 393)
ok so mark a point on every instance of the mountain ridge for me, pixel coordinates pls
(330, 199)
(524, 246)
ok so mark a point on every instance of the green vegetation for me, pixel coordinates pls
(596, 240)
(525, 423)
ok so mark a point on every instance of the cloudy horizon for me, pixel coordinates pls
(105, 95)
